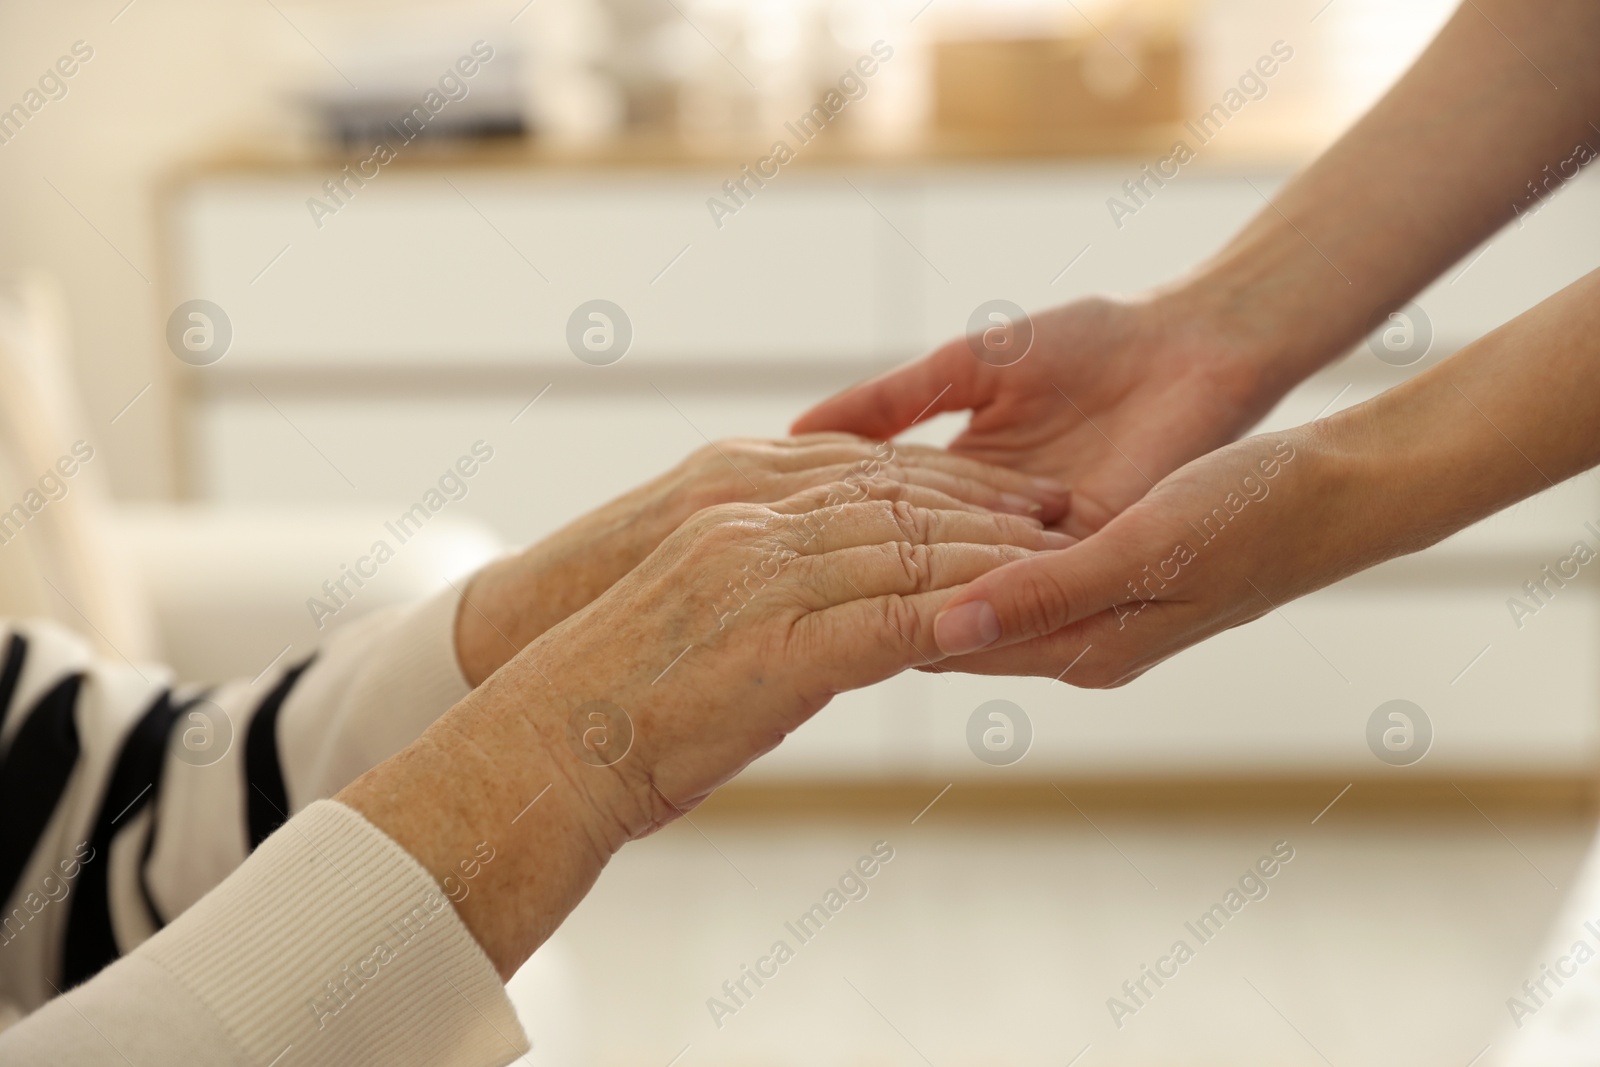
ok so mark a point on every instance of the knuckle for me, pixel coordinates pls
(900, 618)
(913, 523)
(732, 516)
(915, 564)
(724, 524)
(803, 530)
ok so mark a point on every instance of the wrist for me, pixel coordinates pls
(1212, 322)
(513, 601)
(495, 806)
(1276, 310)
(1414, 469)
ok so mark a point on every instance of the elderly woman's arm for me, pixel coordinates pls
(126, 797)
(372, 929)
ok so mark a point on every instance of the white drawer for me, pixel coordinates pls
(415, 271)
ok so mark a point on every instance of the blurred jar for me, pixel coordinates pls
(569, 92)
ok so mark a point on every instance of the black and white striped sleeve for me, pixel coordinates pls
(125, 796)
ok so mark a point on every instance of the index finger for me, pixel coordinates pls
(1035, 597)
(947, 379)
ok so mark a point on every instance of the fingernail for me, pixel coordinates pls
(1057, 539)
(1050, 485)
(1021, 504)
(966, 628)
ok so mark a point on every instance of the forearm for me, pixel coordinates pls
(1430, 172)
(510, 603)
(498, 774)
(1512, 414)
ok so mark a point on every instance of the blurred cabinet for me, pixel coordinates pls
(432, 308)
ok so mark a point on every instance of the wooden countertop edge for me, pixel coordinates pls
(1328, 799)
(656, 152)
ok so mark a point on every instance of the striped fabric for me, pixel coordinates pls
(125, 796)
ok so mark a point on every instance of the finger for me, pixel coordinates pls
(1050, 494)
(948, 379)
(1067, 655)
(809, 495)
(827, 450)
(845, 484)
(1100, 652)
(1038, 596)
(879, 522)
(972, 490)
(895, 568)
(1045, 489)
(866, 640)
(804, 440)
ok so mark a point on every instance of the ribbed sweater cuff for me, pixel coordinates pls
(331, 939)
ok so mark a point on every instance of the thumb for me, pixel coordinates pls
(1037, 596)
(947, 379)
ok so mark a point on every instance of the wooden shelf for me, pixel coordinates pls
(848, 148)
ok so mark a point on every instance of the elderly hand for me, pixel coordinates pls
(511, 602)
(739, 627)
(1110, 398)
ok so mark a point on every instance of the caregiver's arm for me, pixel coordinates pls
(1115, 395)
(1443, 160)
(337, 941)
(1245, 529)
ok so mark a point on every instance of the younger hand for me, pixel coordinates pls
(1111, 398)
(1220, 542)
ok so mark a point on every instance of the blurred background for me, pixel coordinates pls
(389, 213)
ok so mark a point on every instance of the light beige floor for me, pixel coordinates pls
(997, 937)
